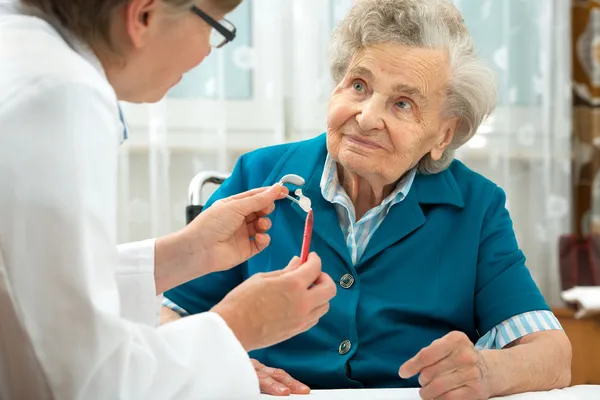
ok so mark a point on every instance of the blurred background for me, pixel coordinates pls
(272, 83)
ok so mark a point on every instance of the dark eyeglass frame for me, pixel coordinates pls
(229, 35)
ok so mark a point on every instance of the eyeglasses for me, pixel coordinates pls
(223, 31)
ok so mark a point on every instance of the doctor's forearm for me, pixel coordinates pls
(175, 262)
(540, 361)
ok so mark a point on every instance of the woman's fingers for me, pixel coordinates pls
(277, 382)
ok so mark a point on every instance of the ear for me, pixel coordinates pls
(449, 128)
(139, 17)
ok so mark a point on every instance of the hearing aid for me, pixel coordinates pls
(302, 201)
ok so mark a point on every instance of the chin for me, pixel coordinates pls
(357, 163)
(155, 97)
(152, 97)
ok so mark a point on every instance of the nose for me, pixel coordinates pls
(370, 115)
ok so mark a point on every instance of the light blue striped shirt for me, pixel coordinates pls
(359, 233)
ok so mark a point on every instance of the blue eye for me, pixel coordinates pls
(405, 105)
(359, 87)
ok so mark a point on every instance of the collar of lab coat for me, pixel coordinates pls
(8, 7)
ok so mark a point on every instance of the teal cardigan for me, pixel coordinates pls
(444, 259)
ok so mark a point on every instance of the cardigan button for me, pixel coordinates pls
(347, 281)
(344, 347)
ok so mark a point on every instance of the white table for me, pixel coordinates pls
(582, 392)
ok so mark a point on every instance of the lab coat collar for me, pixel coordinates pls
(14, 7)
(8, 7)
(84, 50)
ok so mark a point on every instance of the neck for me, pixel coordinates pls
(114, 68)
(364, 192)
(116, 61)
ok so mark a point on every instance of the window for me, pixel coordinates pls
(237, 65)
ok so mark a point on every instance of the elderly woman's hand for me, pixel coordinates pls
(450, 368)
(277, 382)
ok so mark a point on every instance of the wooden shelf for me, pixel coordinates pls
(584, 335)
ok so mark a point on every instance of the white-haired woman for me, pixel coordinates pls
(78, 314)
(431, 278)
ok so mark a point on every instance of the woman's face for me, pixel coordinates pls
(386, 113)
(163, 46)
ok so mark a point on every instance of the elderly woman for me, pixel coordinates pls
(434, 291)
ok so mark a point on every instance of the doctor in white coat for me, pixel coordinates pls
(78, 313)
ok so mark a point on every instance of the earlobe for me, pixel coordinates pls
(437, 152)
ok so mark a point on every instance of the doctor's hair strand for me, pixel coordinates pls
(90, 20)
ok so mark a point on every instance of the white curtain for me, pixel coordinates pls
(271, 85)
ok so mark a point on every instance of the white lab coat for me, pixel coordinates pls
(78, 314)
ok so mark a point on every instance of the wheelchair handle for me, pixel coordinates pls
(195, 202)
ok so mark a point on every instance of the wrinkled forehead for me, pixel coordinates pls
(395, 66)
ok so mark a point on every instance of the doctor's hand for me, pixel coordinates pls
(450, 368)
(225, 235)
(271, 307)
(277, 382)
(234, 229)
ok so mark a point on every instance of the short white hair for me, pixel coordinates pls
(436, 24)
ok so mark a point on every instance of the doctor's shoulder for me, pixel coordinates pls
(35, 58)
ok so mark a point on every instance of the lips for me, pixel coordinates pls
(362, 142)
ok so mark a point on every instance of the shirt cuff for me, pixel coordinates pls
(136, 257)
(179, 310)
(516, 327)
(135, 280)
